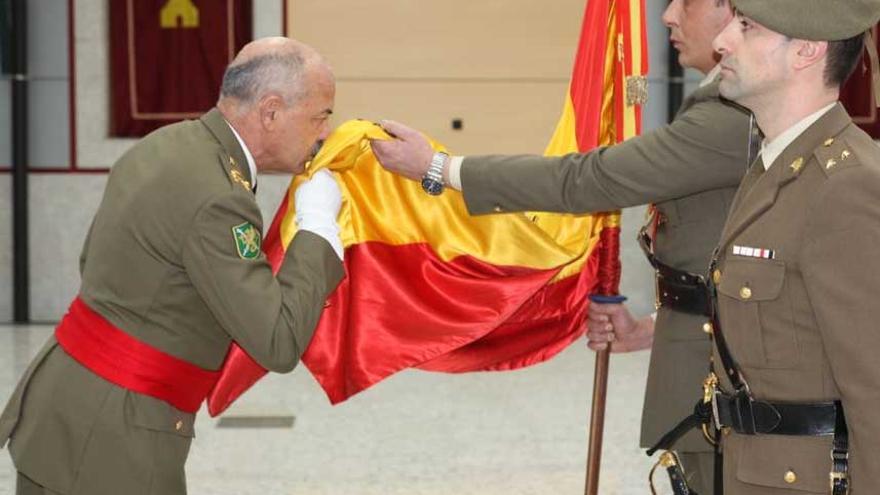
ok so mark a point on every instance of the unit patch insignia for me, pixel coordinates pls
(247, 240)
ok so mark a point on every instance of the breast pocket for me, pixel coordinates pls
(756, 314)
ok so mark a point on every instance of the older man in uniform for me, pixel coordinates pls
(796, 272)
(689, 169)
(172, 272)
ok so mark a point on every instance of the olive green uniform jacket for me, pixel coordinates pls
(690, 169)
(161, 263)
(803, 326)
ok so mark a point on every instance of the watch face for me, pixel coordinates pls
(432, 187)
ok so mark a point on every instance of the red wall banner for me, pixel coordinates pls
(167, 58)
(858, 99)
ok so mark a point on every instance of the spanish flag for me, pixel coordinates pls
(428, 286)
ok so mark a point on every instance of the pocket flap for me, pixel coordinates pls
(762, 278)
(792, 463)
(154, 414)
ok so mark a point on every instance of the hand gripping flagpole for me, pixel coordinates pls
(607, 293)
(626, 41)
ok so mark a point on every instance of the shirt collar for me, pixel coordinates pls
(252, 165)
(711, 76)
(770, 151)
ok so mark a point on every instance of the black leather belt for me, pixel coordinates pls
(748, 416)
(677, 289)
(682, 291)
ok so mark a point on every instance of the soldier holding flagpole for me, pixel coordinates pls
(689, 169)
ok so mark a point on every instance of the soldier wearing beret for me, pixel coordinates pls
(172, 272)
(689, 169)
(796, 273)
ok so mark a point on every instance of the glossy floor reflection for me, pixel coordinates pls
(521, 432)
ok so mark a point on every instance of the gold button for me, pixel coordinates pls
(745, 293)
(498, 209)
(707, 327)
(178, 426)
(790, 477)
(716, 277)
(828, 142)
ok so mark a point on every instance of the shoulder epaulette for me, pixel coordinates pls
(834, 154)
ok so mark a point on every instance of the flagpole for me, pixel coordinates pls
(625, 43)
(597, 413)
(597, 422)
(607, 291)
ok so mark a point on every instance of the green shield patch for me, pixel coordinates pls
(247, 240)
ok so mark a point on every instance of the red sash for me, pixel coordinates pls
(125, 361)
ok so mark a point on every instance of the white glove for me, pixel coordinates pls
(317, 202)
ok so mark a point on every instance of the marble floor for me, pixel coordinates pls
(417, 433)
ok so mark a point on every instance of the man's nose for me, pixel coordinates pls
(670, 14)
(720, 43)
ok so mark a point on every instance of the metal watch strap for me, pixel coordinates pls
(435, 170)
(432, 181)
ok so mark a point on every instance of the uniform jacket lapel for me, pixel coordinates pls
(760, 189)
(221, 131)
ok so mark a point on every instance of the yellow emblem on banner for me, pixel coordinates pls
(179, 14)
(636, 90)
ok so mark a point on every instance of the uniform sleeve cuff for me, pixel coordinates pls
(329, 234)
(455, 172)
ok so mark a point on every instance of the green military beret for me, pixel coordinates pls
(816, 20)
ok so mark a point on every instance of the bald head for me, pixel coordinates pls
(278, 95)
(274, 65)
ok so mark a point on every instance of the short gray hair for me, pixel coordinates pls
(251, 80)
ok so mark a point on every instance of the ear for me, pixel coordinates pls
(270, 107)
(809, 53)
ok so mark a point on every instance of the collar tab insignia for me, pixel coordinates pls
(236, 176)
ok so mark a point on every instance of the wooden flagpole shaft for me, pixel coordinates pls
(597, 414)
(597, 422)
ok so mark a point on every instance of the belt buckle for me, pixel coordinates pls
(839, 483)
(839, 480)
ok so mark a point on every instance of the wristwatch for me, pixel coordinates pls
(432, 182)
